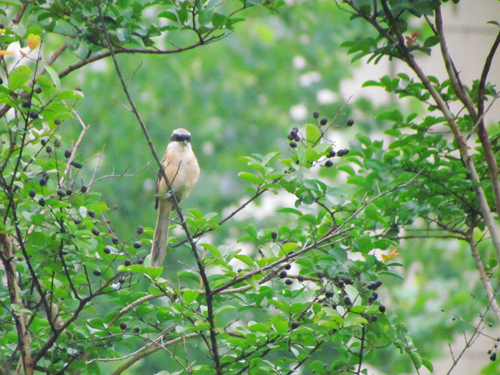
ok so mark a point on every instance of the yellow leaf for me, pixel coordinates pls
(393, 254)
(33, 41)
(22, 53)
(3, 53)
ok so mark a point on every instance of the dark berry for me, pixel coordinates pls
(140, 261)
(1, 81)
(57, 122)
(48, 149)
(38, 90)
(46, 175)
(91, 213)
(300, 278)
(375, 295)
(382, 309)
(78, 221)
(32, 193)
(332, 153)
(328, 163)
(26, 104)
(346, 151)
(274, 234)
(76, 165)
(95, 231)
(127, 262)
(43, 182)
(97, 272)
(290, 136)
(347, 301)
(348, 281)
(374, 317)
(315, 114)
(61, 193)
(121, 280)
(371, 300)
(67, 153)
(69, 192)
(288, 266)
(288, 281)
(295, 129)
(350, 122)
(34, 115)
(321, 274)
(115, 240)
(123, 326)
(107, 250)
(340, 284)
(41, 202)
(328, 294)
(57, 143)
(295, 325)
(378, 283)
(83, 189)
(140, 229)
(371, 285)
(43, 142)
(283, 274)
(293, 144)
(323, 121)
(293, 134)
(137, 245)
(493, 357)
(340, 153)
(137, 329)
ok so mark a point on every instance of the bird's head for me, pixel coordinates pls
(182, 136)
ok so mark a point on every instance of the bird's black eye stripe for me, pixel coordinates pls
(181, 137)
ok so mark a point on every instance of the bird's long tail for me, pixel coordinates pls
(159, 248)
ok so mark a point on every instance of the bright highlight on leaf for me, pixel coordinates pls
(3, 53)
(392, 255)
(33, 41)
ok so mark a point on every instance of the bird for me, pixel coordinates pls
(182, 170)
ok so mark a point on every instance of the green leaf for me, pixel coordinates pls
(251, 177)
(54, 76)
(218, 20)
(432, 41)
(310, 218)
(313, 134)
(212, 249)
(289, 246)
(154, 272)
(205, 17)
(428, 364)
(190, 295)
(290, 211)
(312, 155)
(223, 309)
(168, 15)
(19, 77)
(353, 319)
(318, 367)
(245, 259)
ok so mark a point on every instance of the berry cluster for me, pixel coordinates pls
(294, 136)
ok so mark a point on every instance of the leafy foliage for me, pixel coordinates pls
(299, 292)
